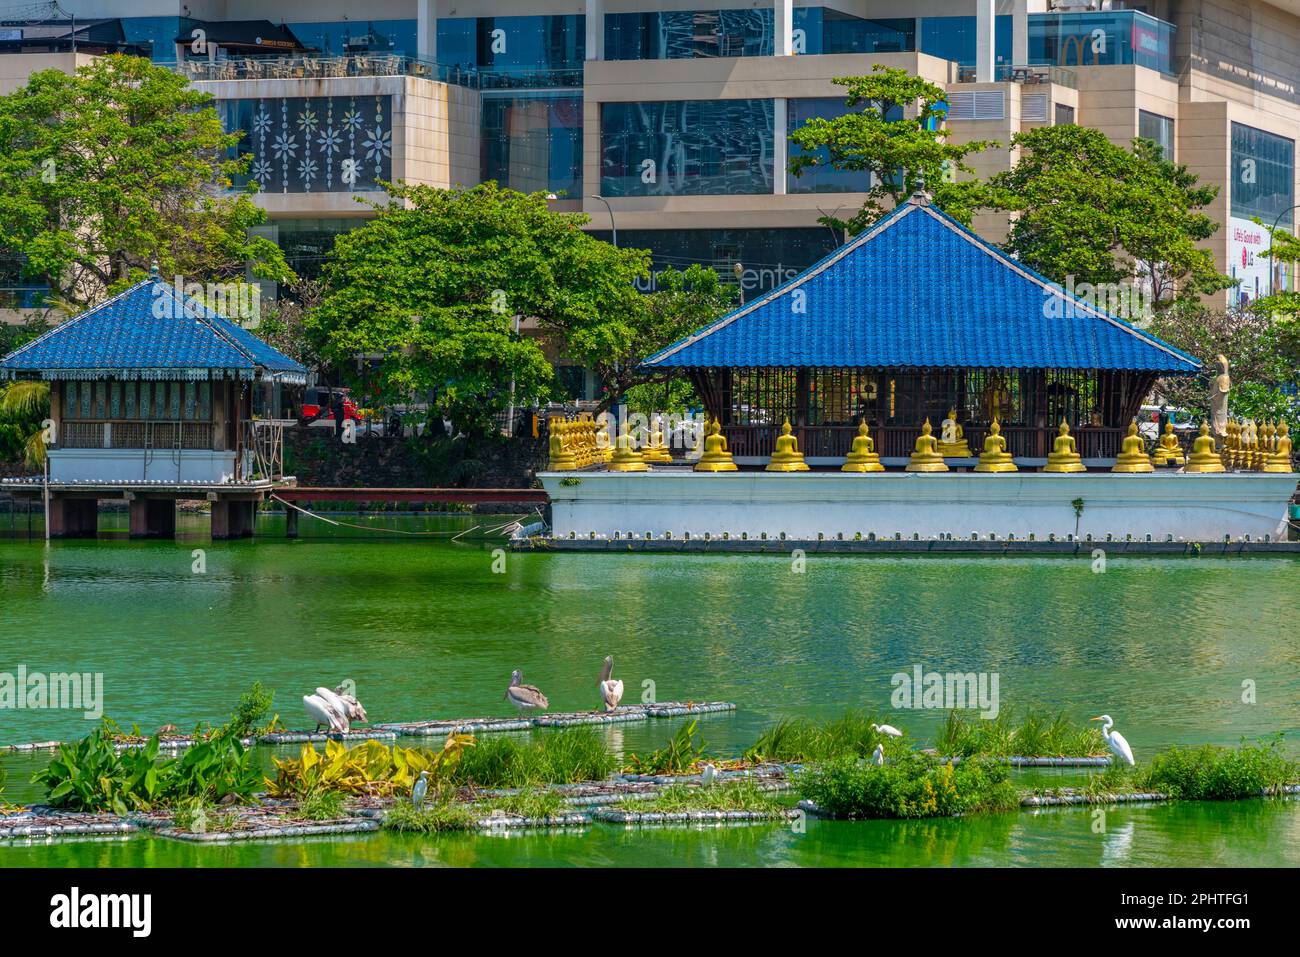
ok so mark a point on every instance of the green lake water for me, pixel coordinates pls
(427, 629)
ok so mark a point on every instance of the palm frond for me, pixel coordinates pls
(25, 397)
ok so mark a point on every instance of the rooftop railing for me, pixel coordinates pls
(372, 64)
(1028, 74)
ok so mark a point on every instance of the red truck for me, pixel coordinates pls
(318, 403)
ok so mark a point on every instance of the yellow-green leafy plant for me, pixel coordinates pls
(371, 768)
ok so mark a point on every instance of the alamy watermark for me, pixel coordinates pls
(55, 691)
(239, 302)
(956, 690)
(1131, 301)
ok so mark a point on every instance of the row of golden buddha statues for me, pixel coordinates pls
(1264, 448)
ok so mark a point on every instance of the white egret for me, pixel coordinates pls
(525, 697)
(1117, 743)
(888, 729)
(611, 690)
(420, 789)
(878, 755)
(708, 774)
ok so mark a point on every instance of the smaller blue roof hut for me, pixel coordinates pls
(916, 318)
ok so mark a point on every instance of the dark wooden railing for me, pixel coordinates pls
(895, 441)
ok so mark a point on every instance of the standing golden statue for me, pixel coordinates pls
(1280, 459)
(1204, 458)
(1064, 456)
(716, 458)
(862, 457)
(952, 438)
(926, 456)
(1133, 456)
(995, 457)
(787, 457)
(1168, 450)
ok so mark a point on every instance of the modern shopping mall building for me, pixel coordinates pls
(667, 122)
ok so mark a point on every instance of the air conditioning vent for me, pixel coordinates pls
(977, 105)
(1033, 107)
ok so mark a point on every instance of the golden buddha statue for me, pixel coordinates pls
(1228, 453)
(1259, 450)
(626, 458)
(654, 449)
(1133, 455)
(995, 457)
(604, 443)
(716, 458)
(862, 457)
(787, 457)
(1280, 459)
(1064, 456)
(1204, 458)
(952, 438)
(926, 457)
(562, 457)
(1168, 450)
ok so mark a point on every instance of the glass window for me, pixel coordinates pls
(157, 34)
(314, 144)
(205, 401)
(1101, 38)
(115, 401)
(533, 142)
(685, 34)
(1263, 175)
(1153, 126)
(953, 38)
(131, 388)
(1064, 114)
(843, 33)
(358, 36)
(825, 179)
(686, 147)
(515, 45)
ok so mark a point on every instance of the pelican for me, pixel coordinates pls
(336, 705)
(878, 755)
(611, 689)
(525, 697)
(355, 712)
(1117, 743)
(319, 709)
(420, 789)
(888, 729)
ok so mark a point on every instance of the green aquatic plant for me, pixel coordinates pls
(1035, 734)
(561, 757)
(322, 806)
(1213, 773)
(251, 710)
(370, 768)
(445, 813)
(913, 785)
(680, 755)
(739, 795)
(801, 739)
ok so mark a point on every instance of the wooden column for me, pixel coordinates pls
(233, 518)
(74, 517)
(290, 522)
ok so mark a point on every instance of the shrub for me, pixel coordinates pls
(564, 757)
(370, 768)
(739, 795)
(1211, 773)
(913, 785)
(678, 756)
(1036, 734)
(800, 739)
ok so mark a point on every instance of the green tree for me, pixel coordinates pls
(24, 404)
(119, 166)
(898, 153)
(1088, 209)
(437, 282)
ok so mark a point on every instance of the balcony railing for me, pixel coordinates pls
(1028, 74)
(372, 64)
(134, 434)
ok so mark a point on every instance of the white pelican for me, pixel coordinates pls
(336, 705)
(355, 711)
(611, 690)
(525, 697)
(878, 755)
(888, 729)
(319, 709)
(420, 789)
(1117, 743)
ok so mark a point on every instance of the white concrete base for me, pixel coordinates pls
(137, 465)
(803, 505)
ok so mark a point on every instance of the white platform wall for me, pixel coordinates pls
(1188, 507)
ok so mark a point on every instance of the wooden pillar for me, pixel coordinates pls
(232, 518)
(290, 522)
(220, 520)
(153, 517)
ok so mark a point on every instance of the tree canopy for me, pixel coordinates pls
(1088, 209)
(898, 152)
(117, 167)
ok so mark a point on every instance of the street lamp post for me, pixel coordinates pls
(1276, 222)
(612, 228)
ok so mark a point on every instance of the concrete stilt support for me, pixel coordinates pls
(233, 518)
(153, 518)
(290, 522)
(74, 517)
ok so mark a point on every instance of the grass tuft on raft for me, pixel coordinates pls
(680, 755)
(804, 740)
(739, 795)
(446, 814)
(561, 757)
(1035, 734)
(911, 786)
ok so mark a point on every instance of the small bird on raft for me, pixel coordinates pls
(525, 697)
(888, 729)
(878, 756)
(611, 690)
(708, 774)
(1117, 743)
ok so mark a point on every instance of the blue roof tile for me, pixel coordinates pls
(150, 330)
(919, 290)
